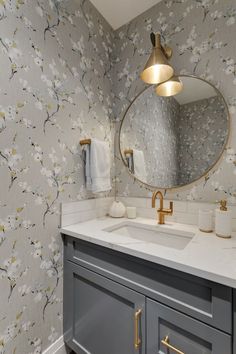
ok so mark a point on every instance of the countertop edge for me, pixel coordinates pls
(220, 279)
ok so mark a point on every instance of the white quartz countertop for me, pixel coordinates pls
(206, 255)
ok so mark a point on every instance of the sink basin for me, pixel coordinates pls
(166, 237)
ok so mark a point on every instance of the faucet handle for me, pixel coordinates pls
(168, 211)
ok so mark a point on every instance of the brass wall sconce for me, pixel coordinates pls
(170, 87)
(157, 68)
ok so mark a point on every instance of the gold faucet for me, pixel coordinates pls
(161, 211)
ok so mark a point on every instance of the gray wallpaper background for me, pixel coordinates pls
(55, 90)
(202, 130)
(201, 34)
(151, 125)
(58, 85)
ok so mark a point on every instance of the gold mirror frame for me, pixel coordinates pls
(213, 167)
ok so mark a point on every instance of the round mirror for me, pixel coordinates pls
(169, 142)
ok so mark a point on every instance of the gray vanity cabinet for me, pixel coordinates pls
(102, 317)
(118, 304)
(169, 331)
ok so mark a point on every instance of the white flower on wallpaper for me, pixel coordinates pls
(9, 47)
(56, 175)
(8, 6)
(12, 270)
(192, 195)
(14, 222)
(36, 343)
(55, 91)
(230, 16)
(198, 50)
(231, 158)
(12, 159)
(51, 265)
(230, 68)
(205, 6)
(53, 335)
(10, 113)
(6, 114)
(17, 328)
(24, 289)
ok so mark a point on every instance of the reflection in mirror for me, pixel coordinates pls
(168, 142)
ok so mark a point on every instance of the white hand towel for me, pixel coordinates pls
(100, 165)
(139, 165)
(88, 179)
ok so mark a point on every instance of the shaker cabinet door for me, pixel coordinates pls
(101, 316)
(171, 332)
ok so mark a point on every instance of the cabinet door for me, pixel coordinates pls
(101, 316)
(171, 332)
(234, 321)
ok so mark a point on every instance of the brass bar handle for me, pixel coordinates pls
(167, 211)
(137, 340)
(165, 342)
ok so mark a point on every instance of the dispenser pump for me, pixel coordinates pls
(223, 205)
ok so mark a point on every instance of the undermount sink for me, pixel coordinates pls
(166, 237)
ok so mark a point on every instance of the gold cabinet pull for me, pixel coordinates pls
(165, 342)
(137, 340)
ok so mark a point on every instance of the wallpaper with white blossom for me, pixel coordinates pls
(55, 89)
(151, 126)
(202, 133)
(202, 35)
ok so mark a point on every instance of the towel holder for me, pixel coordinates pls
(85, 142)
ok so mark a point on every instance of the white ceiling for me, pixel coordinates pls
(194, 90)
(120, 12)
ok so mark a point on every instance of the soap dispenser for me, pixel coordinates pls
(223, 221)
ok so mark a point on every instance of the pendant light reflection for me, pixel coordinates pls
(169, 88)
(157, 68)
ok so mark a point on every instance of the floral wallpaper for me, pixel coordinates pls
(64, 76)
(151, 125)
(55, 90)
(202, 132)
(201, 33)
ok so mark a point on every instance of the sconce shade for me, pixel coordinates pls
(157, 68)
(170, 88)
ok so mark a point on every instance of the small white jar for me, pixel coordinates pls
(205, 220)
(131, 212)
